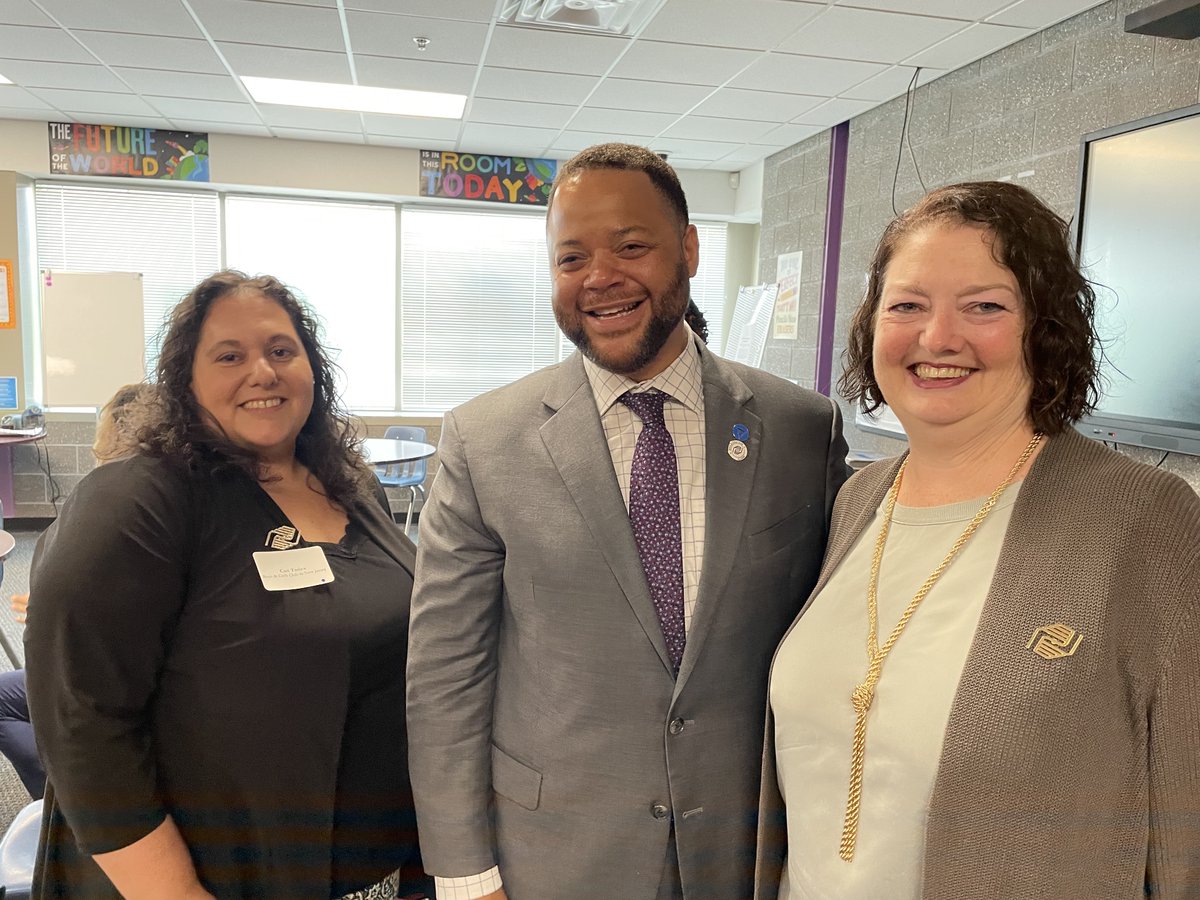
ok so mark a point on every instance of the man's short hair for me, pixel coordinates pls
(629, 157)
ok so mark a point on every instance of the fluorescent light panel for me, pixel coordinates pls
(4, 80)
(355, 98)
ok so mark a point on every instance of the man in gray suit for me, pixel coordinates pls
(609, 554)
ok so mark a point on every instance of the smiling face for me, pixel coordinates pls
(620, 263)
(251, 373)
(948, 348)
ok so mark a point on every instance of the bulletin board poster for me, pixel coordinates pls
(787, 305)
(515, 180)
(121, 151)
(8, 298)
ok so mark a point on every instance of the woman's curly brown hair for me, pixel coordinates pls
(326, 445)
(1062, 351)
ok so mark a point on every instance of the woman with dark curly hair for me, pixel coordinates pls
(992, 691)
(217, 640)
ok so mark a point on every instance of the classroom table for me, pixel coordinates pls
(386, 452)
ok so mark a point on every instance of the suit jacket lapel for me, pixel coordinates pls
(728, 484)
(575, 440)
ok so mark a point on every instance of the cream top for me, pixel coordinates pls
(824, 657)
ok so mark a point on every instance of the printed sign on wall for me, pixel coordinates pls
(484, 176)
(124, 152)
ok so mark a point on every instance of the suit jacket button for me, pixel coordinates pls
(659, 811)
(676, 726)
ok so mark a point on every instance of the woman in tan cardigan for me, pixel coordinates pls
(994, 690)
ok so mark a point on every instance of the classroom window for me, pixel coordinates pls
(475, 301)
(708, 284)
(340, 258)
(172, 237)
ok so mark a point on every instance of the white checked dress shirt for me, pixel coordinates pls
(684, 416)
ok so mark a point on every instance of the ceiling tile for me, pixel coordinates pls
(890, 83)
(271, 24)
(975, 42)
(141, 51)
(222, 128)
(494, 138)
(414, 74)
(830, 113)
(766, 106)
(163, 83)
(460, 10)
(571, 142)
(707, 128)
(284, 62)
(22, 12)
(39, 113)
(409, 127)
(95, 102)
(136, 16)
(130, 121)
(966, 10)
(332, 3)
(515, 112)
(383, 140)
(205, 110)
(869, 34)
(658, 61)
(621, 122)
(1042, 13)
(29, 42)
(648, 96)
(810, 74)
(383, 35)
(513, 47)
(31, 73)
(751, 24)
(698, 150)
(13, 97)
(306, 134)
(303, 117)
(786, 135)
(542, 87)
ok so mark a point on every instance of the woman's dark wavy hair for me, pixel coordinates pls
(1062, 351)
(326, 445)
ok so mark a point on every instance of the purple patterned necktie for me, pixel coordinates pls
(654, 513)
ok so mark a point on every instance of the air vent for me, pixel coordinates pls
(592, 16)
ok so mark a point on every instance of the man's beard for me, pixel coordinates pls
(666, 312)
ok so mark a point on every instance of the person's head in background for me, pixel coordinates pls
(126, 421)
(622, 253)
(246, 382)
(696, 321)
(1057, 342)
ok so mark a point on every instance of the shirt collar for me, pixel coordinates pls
(681, 379)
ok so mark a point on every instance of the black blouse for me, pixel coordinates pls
(164, 678)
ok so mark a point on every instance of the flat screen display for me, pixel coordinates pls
(1139, 241)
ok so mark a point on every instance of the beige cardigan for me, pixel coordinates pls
(1076, 777)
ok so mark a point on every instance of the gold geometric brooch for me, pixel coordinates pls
(1054, 641)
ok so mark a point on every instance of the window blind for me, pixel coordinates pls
(172, 237)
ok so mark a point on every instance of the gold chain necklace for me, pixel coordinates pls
(862, 695)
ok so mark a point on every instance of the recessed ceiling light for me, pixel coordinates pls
(356, 98)
(4, 80)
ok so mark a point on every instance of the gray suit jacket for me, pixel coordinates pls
(548, 735)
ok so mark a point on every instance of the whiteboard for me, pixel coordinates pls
(751, 319)
(92, 335)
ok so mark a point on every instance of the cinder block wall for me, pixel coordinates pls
(1018, 114)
